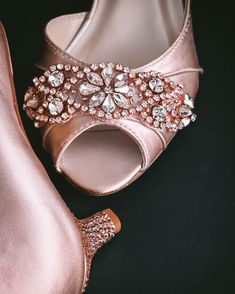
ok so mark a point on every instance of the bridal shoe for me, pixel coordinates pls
(43, 248)
(117, 84)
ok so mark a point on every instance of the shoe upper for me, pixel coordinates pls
(179, 62)
(41, 248)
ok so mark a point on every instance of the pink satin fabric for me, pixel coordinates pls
(41, 251)
(179, 62)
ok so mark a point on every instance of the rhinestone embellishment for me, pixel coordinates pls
(56, 78)
(108, 91)
(56, 106)
(104, 94)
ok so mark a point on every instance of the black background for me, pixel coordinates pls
(178, 218)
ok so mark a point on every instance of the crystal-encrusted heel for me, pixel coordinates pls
(96, 231)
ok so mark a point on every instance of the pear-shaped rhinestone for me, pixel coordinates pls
(56, 78)
(124, 89)
(95, 79)
(88, 89)
(97, 99)
(121, 79)
(56, 106)
(107, 74)
(120, 100)
(185, 122)
(188, 101)
(109, 105)
(156, 85)
(184, 111)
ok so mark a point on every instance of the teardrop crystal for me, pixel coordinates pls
(121, 100)
(107, 74)
(124, 89)
(88, 89)
(97, 99)
(185, 122)
(184, 111)
(188, 101)
(95, 79)
(108, 105)
(121, 79)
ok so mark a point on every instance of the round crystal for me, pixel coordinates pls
(156, 85)
(56, 78)
(55, 106)
(159, 110)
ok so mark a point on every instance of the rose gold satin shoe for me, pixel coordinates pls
(105, 123)
(43, 248)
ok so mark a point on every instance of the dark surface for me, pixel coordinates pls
(178, 218)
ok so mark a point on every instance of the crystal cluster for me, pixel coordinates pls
(108, 91)
(96, 231)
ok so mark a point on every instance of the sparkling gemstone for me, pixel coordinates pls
(97, 99)
(120, 100)
(174, 127)
(109, 115)
(56, 106)
(73, 80)
(116, 115)
(132, 92)
(193, 117)
(185, 121)
(94, 66)
(108, 105)
(124, 89)
(125, 113)
(32, 101)
(149, 119)
(107, 74)
(156, 124)
(100, 113)
(184, 111)
(156, 85)
(56, 78)
(159, 109)
(159, 113)
(95, 79)
(86, 69)
(88, 89)
(121, 79)
(188, 101)
(160, 117)
(92, 111)
(144, 114)
(84, 108)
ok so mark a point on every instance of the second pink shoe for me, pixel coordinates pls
(44, 249)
